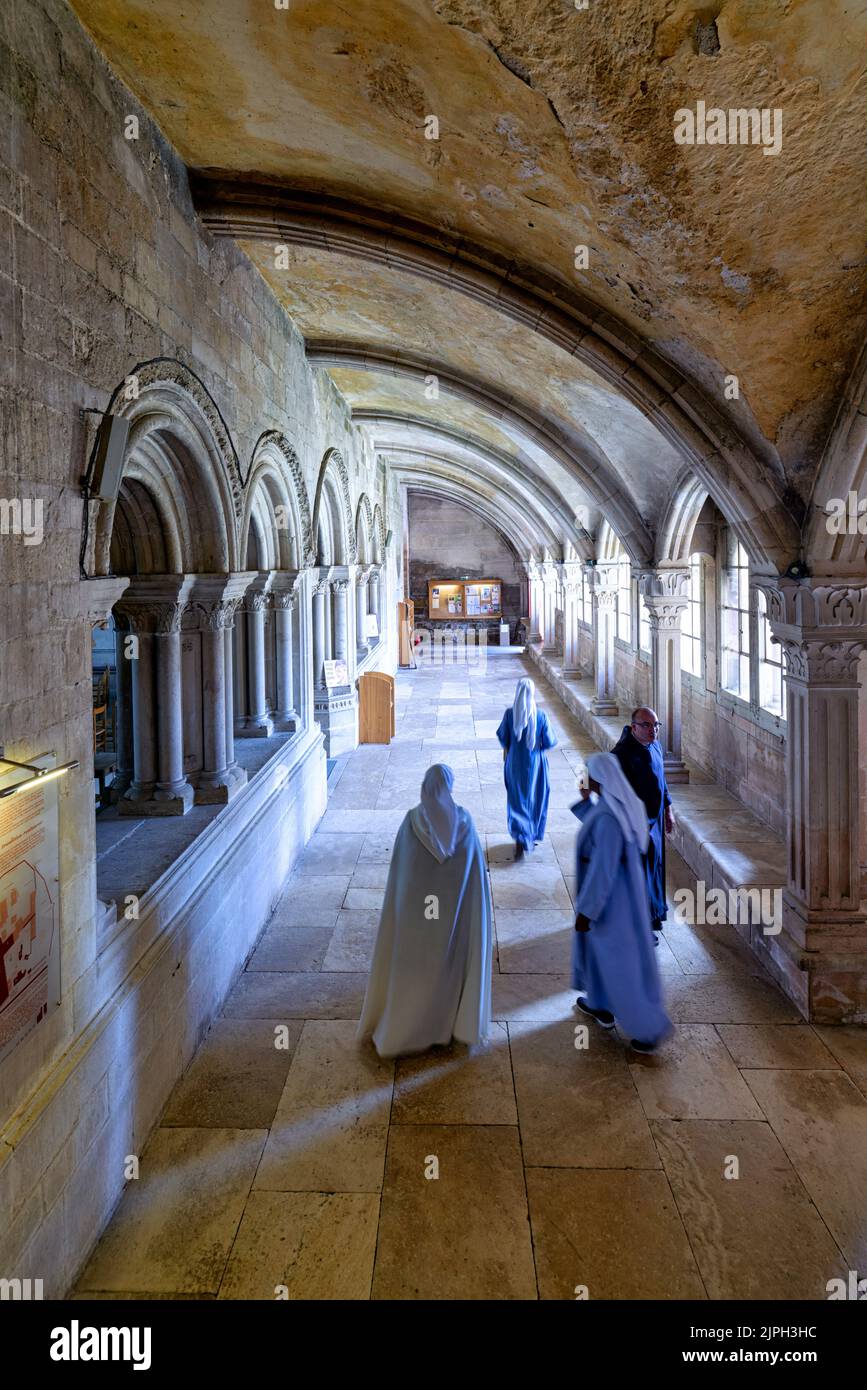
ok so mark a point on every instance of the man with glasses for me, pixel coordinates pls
(640, 756)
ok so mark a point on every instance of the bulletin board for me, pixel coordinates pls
(448, 599)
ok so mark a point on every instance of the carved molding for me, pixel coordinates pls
(277, 441)
(668, 583)
(148, 616)
(814, 603)
(822, 661)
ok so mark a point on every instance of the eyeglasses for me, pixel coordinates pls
(643, 724)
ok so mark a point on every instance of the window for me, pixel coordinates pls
(624, 599)
(692, 622)
(643, 627)
(735, 615)
(586, 600)
(770, 663)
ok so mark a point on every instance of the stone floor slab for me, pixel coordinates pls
(237, 1076)
(461, 1235)
(307, 994)
(457, 1085)
(693, 1078)
(615, 1234)
(309, 1245)
(329, 1132)
(175, 1225)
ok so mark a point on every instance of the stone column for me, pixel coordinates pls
(123, 729)
(285, 599)
(549, 599)
(228, 663)
(138, 621)
(821, 953)
(221, 777)
(666, 595)
(373, 602)
(531, 570)
(603, 582)
(361, 591)
(258, 723)
(173, 793)
(570, 578)
(340, 591)
(319, 599)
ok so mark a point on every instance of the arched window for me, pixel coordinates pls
(692, 622)
(770, 663)
(624, 598)
(735, 618)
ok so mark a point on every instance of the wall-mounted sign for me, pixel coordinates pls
(335, 673)
(29, 918)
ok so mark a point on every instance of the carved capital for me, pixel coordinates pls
(256, 602)
(822, 662)
(339, 586)
(669, 584)
(148, 616)
(814, 603)
(218, 616)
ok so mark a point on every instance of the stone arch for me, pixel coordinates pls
(843, 469)
(179, 495)
(379, 534)
(364, 530)
(609, 544)
(674, 542)
(276, 509)
(333, 522)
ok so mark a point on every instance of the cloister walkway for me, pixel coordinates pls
(730, 1165)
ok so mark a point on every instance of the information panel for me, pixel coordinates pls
(29, 917)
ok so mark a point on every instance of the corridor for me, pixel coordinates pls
(289, 1163)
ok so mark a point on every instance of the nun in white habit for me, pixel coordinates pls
(430, 980)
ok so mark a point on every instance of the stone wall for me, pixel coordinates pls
(104, 268)
(447, 541)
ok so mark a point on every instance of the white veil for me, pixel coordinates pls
(524, 710)
(438, 820)
(620, 798)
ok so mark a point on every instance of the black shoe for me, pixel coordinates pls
(519, 851)
(645, 1047)
(602, 1016)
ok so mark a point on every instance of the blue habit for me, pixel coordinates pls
(644, 769)
(525, 773)
(614, 963)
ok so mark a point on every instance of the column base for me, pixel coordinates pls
(820, 960)
(337, 716)
(256, 728)
(676, 771)
(219, 788)
(169, 804)
(604, 707)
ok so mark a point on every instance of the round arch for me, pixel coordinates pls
(275, 517)
(333, 525)
(177, 502)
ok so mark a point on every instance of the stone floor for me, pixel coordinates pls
(731, 1165)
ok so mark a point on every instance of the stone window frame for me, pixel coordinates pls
(750, 707)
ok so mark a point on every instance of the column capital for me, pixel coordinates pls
(666, 583)
(339, 586)
(603, 584)
(97, 597)
(156, 603)
(285, 588)
(571, 576)
(821, 625)
(362, 574)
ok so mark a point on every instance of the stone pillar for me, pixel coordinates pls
(603, 582)
(284, 596)
(320, 597)
(173, 792)
(549, 593)
(228, 663)
(258, 723)
(821, 953)
(340, 591)
(531, 570)
(123, 727)
(361, 592)
(666, 595)
(143, 707)
(373, 602)
(221, 777)
(570, 578)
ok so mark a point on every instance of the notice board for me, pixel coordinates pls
(29, 906)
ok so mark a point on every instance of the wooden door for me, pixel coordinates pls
(375, 707)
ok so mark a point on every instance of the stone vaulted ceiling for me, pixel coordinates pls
(555, 131)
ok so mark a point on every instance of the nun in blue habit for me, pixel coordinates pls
(430, 980)
(525, 733)
(613, 961)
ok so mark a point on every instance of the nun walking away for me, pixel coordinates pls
(613, 961)
(525, 733)
(430, 980)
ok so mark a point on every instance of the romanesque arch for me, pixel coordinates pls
(333, 525)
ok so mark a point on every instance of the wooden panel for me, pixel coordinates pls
(405, 625)
(375, 707)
